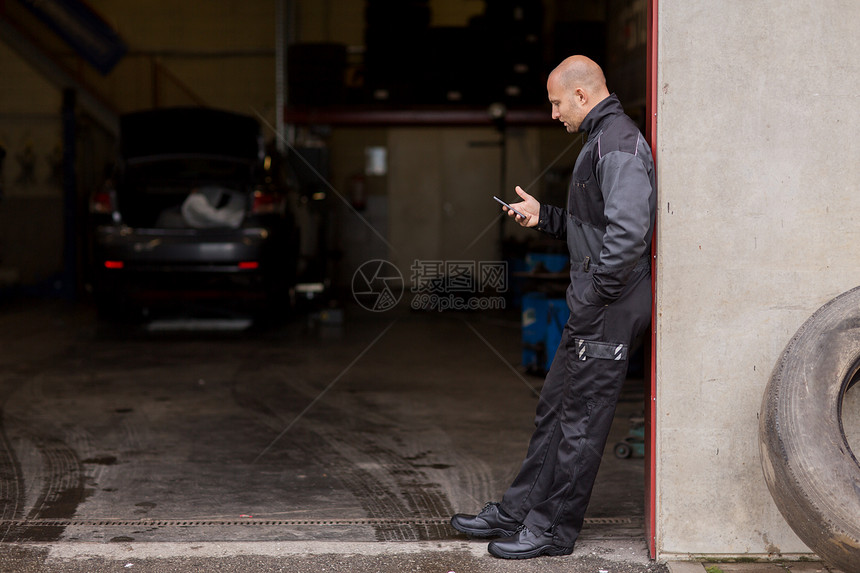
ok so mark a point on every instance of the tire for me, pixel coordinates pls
(810, 470)
(623, 450)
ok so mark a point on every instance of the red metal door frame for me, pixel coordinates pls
(651, 407)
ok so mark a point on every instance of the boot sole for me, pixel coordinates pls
(548, 550)
(482, 533)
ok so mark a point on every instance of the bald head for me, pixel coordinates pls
(581, 72)
(574, 87)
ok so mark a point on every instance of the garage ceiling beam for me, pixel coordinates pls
(417, 116)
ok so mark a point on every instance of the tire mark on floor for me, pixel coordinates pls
(11, 483)
(12, 492)
(390, 486)
(385, 483)
(63, 490)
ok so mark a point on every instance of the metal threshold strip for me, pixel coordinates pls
(254, 522)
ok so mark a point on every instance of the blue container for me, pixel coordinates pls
(535, 308)
(543, 320)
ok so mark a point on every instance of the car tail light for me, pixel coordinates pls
(114, 264)
(249, 265)
(266, 202)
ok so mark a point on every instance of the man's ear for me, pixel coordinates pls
(580, 96)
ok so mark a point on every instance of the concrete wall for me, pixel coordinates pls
(759, 179)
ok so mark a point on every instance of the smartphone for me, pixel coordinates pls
(509, 207)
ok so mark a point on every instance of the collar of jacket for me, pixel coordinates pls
(593, 121)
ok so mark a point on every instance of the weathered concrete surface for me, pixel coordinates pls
(400, 557)
(685, 567)
(757, 149)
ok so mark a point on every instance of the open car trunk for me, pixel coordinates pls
(158, 194)
(170, 155)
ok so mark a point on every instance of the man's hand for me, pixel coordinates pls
(529, 206)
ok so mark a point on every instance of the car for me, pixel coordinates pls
(193, 218)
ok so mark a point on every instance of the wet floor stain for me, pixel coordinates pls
(62, 489)
(54, 505)
(143, 507)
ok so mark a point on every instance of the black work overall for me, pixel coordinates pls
(576, 407)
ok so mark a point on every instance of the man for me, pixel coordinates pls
(608, 224)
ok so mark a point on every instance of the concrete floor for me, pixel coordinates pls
(372, 434)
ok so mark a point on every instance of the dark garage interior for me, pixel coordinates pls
(346, 342)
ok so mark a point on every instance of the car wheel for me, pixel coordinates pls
(623, 450)
(808, 465)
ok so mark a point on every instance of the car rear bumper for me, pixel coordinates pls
(161, 249)
(170, 266)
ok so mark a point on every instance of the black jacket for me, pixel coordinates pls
(611, 201)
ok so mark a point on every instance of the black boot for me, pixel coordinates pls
(491, 522)
(524, 544)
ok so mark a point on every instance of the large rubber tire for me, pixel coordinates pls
(811, 472)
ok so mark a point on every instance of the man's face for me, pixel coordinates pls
(566, 107)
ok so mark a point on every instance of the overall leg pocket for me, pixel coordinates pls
(586, 318)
